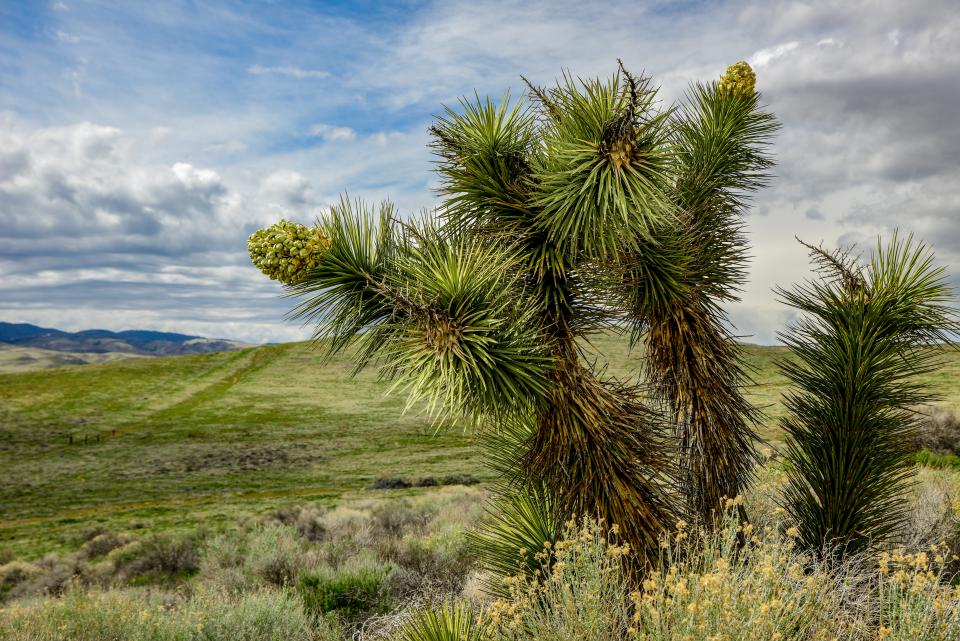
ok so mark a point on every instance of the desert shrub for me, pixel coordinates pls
(913, 601)
(739, 583)
(436, 564)
(581, 595)
(347, 524)
(125, 616)
(935, 516)
(259, 615)
(15, 573)
(55, 575)
(164, 557)
(274, 555)
(102, 544)
(306, 519)
(352, 591)
(222, 563)
(939, 431)
(399, 517)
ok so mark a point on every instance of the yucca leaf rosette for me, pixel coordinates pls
(286, 251)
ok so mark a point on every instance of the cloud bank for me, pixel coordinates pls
(141, 144)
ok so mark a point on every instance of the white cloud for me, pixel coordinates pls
(764, 57)
(295, 72)
(331, 132)
(63, 36)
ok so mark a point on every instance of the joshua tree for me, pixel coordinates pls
(867, 333)
(589, 208)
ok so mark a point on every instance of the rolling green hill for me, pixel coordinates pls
(175, 442)
(21, 359)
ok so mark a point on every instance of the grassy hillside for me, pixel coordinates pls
(22, 359)
(170, 443)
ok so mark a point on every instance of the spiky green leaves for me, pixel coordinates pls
(470, 342)
(441, 312)
(449, 621)
(739, 80)
(517, 536)
(344, 294)
(865, 335)
(484, 164)
(602, 169)
(286, 250)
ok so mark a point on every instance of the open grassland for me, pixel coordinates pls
(171, 443)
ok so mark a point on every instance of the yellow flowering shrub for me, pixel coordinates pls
(915, 602)
(579, 594)
(735, 583)
(286, 251)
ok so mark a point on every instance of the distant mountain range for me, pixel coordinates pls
(101, 341)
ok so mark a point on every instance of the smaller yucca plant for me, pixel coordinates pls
(867, 333)
(452, 620)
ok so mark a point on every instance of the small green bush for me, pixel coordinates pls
(937, 461)
(274, 555)
(352, 592)
(102, 544)
(171, 554)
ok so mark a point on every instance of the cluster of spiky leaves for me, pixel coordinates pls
(588, 208)
(287, 251)
(451, 620)
(865, 334)
(432, 307)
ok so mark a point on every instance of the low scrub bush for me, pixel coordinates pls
(102, 544)
(401, 517)
(274, 555)
(352, 591)
(437, 564)
(165, 557)
(939, 432)
(306, 519)
(15, 573)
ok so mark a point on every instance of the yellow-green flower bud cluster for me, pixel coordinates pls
(738, 81)
(286, 251)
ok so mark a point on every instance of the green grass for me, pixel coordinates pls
(176, 442)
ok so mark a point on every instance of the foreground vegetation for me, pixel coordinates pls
(370, 567)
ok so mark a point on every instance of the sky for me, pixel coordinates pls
(142, 142)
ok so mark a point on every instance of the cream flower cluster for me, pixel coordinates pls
(740, 80)
(286, 251)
